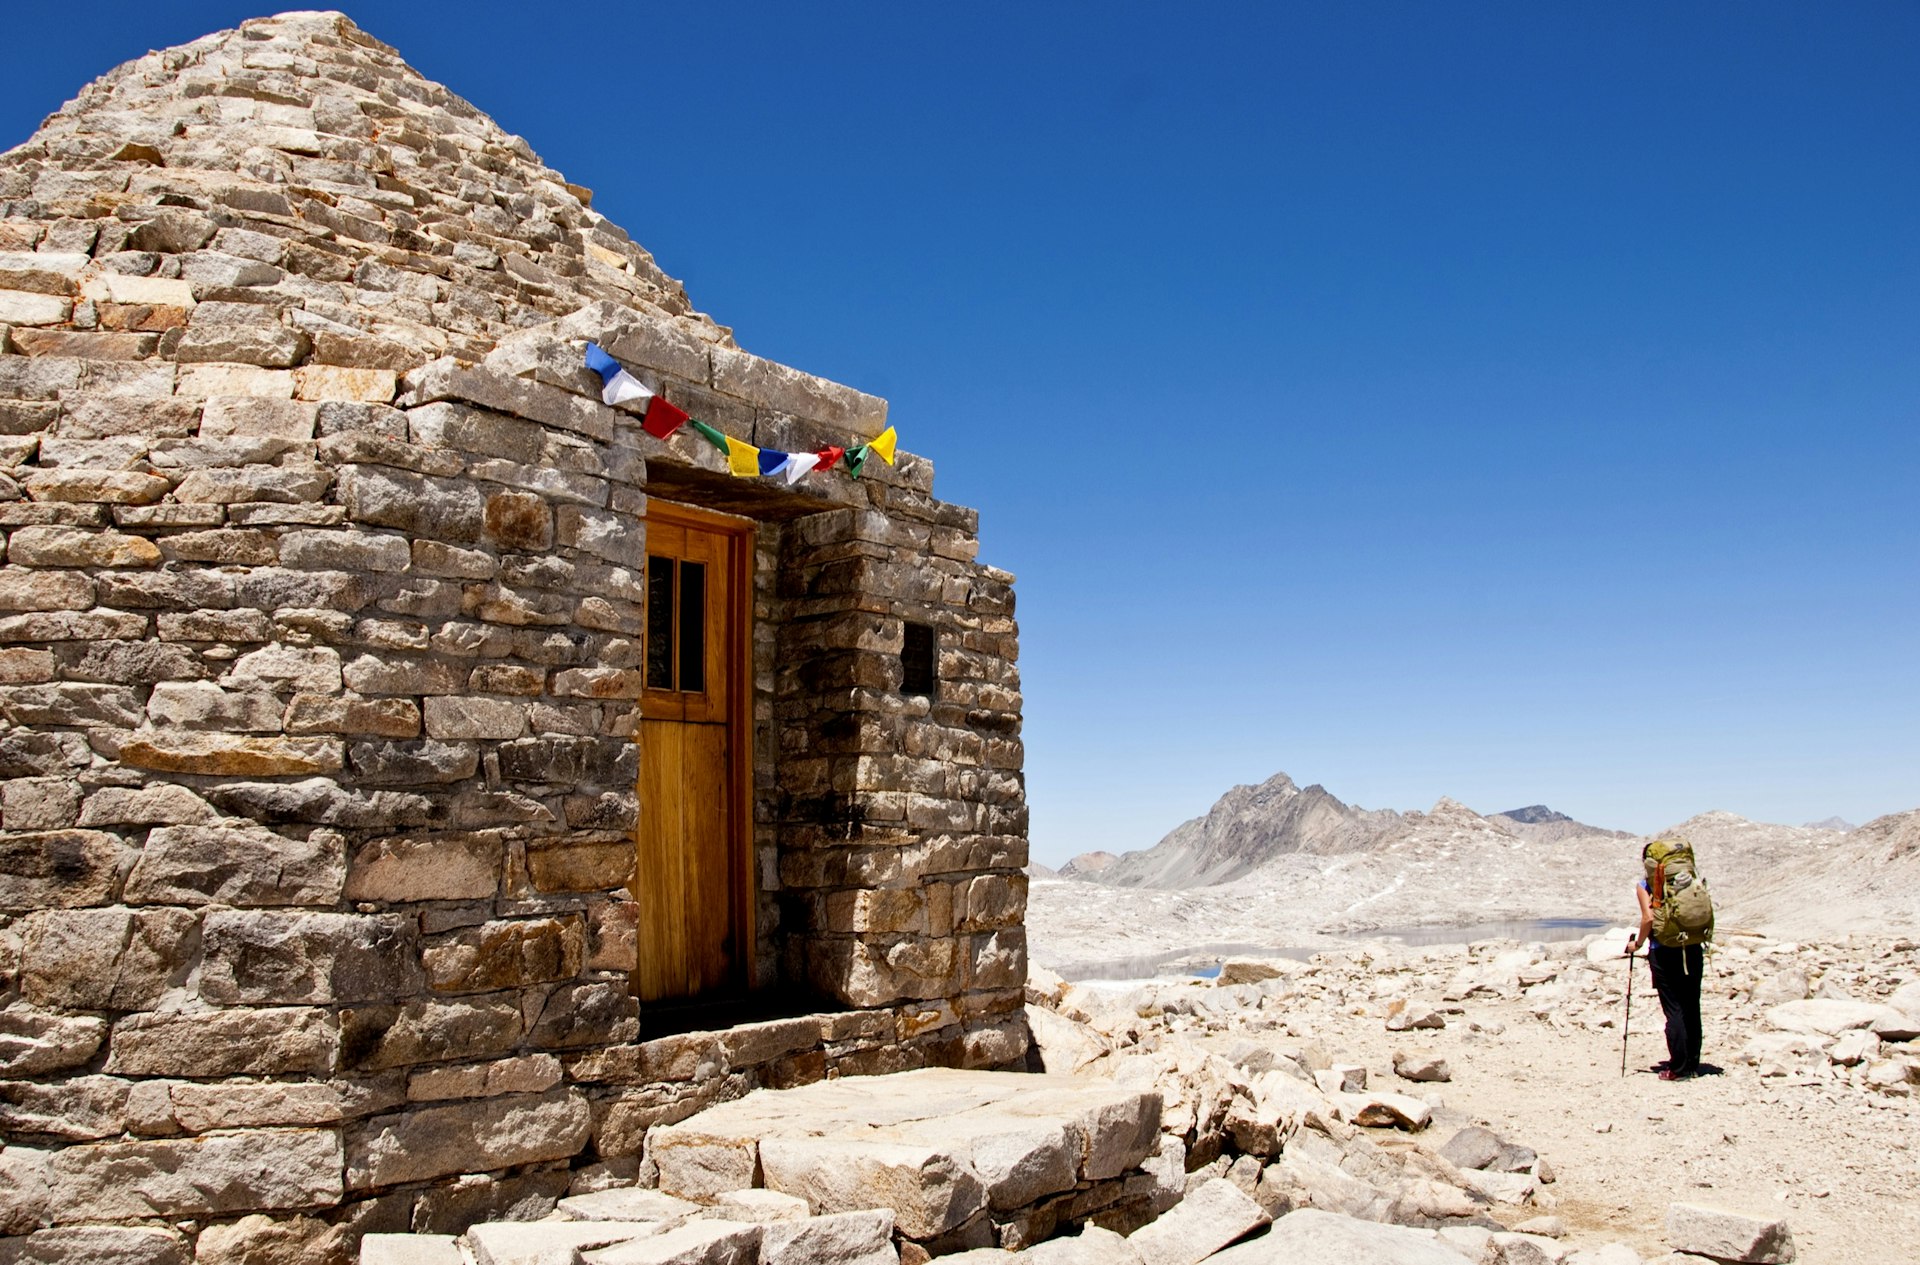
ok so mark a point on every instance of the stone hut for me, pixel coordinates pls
(419, 780)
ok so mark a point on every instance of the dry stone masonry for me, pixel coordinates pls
(321, 638)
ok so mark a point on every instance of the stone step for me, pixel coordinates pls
(938, 1146)
(832, 1173)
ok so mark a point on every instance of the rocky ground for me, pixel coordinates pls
(1810, 1119)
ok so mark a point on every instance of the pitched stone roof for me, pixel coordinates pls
(300, 163)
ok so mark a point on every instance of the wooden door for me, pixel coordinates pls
(693, 881)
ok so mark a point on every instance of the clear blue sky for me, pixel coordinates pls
(1512, 402)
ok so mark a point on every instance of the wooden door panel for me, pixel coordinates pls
(709, 876)
(685, 882)
(659, 881)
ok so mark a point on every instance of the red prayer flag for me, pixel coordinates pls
(662, 418)
(828, 456)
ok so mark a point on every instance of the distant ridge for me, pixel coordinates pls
(1253, 826)
(1541, 824)
(1869, 876)
(1452, 867)
(1282, 833)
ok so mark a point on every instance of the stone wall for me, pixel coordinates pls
(320, 607)
(903, 817)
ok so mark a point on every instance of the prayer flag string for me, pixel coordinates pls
(662, 420)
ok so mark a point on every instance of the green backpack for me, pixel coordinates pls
(1682, 908)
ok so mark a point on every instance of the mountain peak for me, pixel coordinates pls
(1087, 864)
(1243, 830)
(1534, 815)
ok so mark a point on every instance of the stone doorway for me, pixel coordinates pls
(693, 878)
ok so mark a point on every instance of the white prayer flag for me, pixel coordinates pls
(800, 463)
(622, 387)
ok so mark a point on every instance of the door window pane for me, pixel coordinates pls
(659, 623)
(693, 627)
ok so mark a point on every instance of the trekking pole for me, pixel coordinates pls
(1624, 1027)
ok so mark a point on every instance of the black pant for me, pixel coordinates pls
(1676, 977)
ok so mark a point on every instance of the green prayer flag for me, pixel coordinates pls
(714, 437)
(856, 458)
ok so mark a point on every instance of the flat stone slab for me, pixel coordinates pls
(539, 1242)
(409, 1249)
(1830, 1016)
(938, 1145)
(762, 1207)
(695, 1243)
(1214, 1215)
(843, 1238)
(626, 1204)
(1312, 1237)
(1727, 1235)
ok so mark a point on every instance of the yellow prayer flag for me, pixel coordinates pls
(883, 444)
(743, 459)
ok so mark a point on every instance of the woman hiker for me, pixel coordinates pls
(1676, 977)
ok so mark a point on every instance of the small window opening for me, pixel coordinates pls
(917, 661)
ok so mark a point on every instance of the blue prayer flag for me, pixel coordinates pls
(601, 363)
